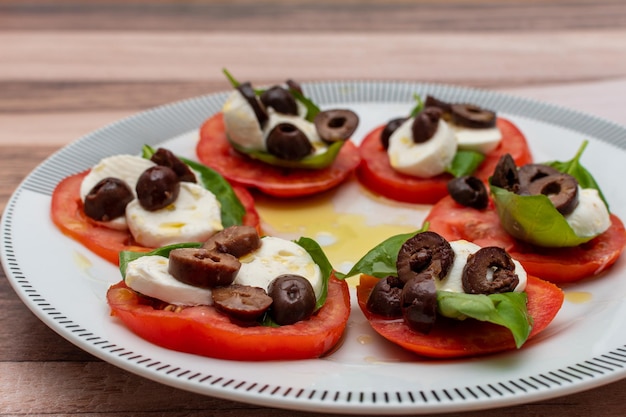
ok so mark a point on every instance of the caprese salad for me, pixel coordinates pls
(236, 296)
(451, 299)
(411, 159)
(131, 202)
(551, 217)
(278, 141)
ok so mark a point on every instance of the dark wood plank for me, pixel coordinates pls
(282, 15)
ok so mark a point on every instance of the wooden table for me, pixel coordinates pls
(69, 67)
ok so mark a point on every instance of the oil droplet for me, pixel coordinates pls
(364, 339)
(578, 297)
(82, 262)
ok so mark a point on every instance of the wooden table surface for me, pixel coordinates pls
(70, 67)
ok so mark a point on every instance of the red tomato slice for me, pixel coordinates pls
(67, 214)
(214, 151)
(454, 221)
(453, 338)
(377, 175)
(202, 330)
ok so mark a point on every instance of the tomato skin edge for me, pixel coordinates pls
(203, 331)
(451, 339)
(66, 212)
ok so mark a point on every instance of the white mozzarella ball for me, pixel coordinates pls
(453, 282)
(423, 160)
(591, 216)
(276, 257)
(149, 276)
(193, 217)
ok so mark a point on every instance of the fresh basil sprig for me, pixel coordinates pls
(231, 208)
(574, 168)
(507, 309)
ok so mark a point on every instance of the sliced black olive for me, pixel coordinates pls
(235, 240)
(561, 189)
(469, 191)
(336, 125)
(419, 304)
(530, 173)
(165, 157)
(384, 299)
(241, 302)
(489, 270)
(280, 100)
(108, 199)
(506, 174)
(435, 102)
(470, 115)
(248, 93)
(425, 253)
(202, 268)
(286, 141)
(425, 124)
(157, 187)
(390, 127)
(293, 299)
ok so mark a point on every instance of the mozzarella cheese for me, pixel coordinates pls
(243, 128)
(591, 216)
(425, 159)
(478, 140)
(453, 282)
(241, 123)
(128, 168)
(148, 275)
(193, 217)
(276, 257)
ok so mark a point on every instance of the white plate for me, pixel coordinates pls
(585, 346)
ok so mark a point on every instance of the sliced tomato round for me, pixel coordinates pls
(202, 330)
(214, 151)
(376, 174)
(559, 265)
(454, 338)
(68, 215)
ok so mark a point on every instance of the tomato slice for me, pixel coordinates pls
(453, 338)
(202, 330)
(454, 221)
(377, 175)
(214, 151)
(68, 215)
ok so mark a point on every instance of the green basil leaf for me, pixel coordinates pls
(232, 210)
(318, 161)
(534, 219)
(311, 108)
(465, 163)
(418, 107)
(574, 168)
(128, 256)
(380, 261)
(319, 257)
(231, 79)
(506, 309)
